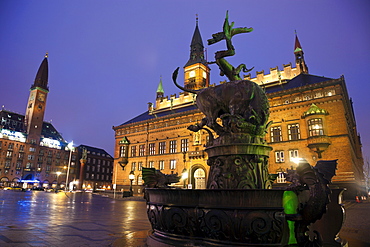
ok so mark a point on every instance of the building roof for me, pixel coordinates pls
(296, 82)
(95, 151)
(15, 122)
(41, 79)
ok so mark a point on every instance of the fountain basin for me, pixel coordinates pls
(219, 217)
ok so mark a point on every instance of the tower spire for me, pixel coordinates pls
(160, 91)
(299, 58)
(42, 76)
(196, 48)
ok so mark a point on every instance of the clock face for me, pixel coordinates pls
(204, 74)
(41, 97)
(192, 73)
(32, 96)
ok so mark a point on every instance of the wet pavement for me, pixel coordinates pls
(40, 218)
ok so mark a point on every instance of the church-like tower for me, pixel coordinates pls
(299, 58)
(196, 70)
(36, 105)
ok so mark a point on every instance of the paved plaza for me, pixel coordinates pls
(40, 218)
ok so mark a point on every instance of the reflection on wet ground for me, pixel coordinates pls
(75, 219)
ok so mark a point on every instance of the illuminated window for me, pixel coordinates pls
(279, 156)
(162, 147)
(281, 177)
(140, 166)
(184, 145)
(172, 164)
(293, 154)
(161, 165)
(315, 127)
(151, 164)
(276, 134)
(140, 180)
(142, 150)
(293, 132)
(133, 151)
(133, 166)
(151, 148)
(173, 146)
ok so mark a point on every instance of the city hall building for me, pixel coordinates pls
(312, 118)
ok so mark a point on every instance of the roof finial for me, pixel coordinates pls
(196, 18)
(47, 54)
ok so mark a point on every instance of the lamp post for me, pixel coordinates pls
(131, 176)
(70, 147)
(58, 173)
(184, 176)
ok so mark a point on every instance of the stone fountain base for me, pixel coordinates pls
(220, 217)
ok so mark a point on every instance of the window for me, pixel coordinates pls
(173, 146)
(162, 147)
(172, 164)
(7, 164)
(151, 148)
(279, 156)
(315, 127)
(281, 177)
(133, 151)
(161, 165)
(151, 164)
(10, 146)
(140, 166)
(142, 150)
(122, 151)
(9, 154)
(31, 157)
(184, 145)
(293, 132)
(33, 150)
(276, 134)
(140, 180)
(133, 166)
(293, 154)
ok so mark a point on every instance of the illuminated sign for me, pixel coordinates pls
(51, 143)
(12, 135)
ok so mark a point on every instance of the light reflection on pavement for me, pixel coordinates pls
(70, 219)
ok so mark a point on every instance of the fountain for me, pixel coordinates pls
(239, 206)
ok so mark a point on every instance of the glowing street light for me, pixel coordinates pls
(58, 173)
(184, 176)
(70, 147)
(131, 176)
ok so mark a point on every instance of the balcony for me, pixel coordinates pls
(318, 144)
(196, 154)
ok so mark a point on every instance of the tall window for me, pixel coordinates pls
(133, 151)
(162, 147)
(151, 164)
(184, 145)
(161, 165)
(315, 127)
(122, 151)
(133, 166)
(279, 156)
(276, 134)
(140, 166)
(172, 164)
(281, 178)
(293, 132)
(142, 150)
(173, 146)
(151, 148)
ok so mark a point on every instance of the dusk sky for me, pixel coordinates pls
(106, 57)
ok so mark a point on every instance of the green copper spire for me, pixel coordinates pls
(160, 91)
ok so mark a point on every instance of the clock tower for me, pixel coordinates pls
(196, 70)
(35, 111)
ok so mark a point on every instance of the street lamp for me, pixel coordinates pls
(131, 176)
(58, 173)
(70, 147)
(184, 176)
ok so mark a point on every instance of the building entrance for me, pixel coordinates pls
(200, 178)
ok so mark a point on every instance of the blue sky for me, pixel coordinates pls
(106, 57)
